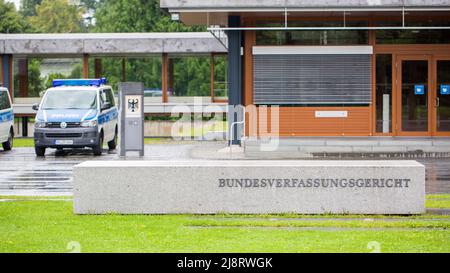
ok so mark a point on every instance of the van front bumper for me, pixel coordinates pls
(66, 138)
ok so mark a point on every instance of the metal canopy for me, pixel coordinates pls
(327, 28)
(344, 26)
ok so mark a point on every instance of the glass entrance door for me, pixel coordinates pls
(415, 96)
(442, 96)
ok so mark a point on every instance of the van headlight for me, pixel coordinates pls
(89, 123)
(40, 124)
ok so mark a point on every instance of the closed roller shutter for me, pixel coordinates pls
(312, 79)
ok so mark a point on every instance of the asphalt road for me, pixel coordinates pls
(21, 173)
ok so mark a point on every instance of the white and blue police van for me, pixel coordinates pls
(76, 113)
(6, 120)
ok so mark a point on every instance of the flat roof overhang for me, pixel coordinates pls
(216, 12)
(252, 4)
(110, 43)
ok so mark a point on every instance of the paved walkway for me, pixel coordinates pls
(21, 173)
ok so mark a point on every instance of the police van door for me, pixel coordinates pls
(106, 114)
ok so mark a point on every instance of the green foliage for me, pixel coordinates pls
(135, 16)
(10, 20)
(28, 7)
(75, 74)
(35, 82)
(220, 76)
(92, 4)
(57, 16)
(146, 70)
(192, 76)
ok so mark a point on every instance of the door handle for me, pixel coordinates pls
(437, 102)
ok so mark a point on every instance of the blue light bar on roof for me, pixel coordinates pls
(79, 82)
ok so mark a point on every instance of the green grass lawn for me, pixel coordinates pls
(439, 201)
(23, 142)
(38, 225)
(29, 142)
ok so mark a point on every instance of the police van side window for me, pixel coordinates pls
(103, 98)
(4, 101)
(110, 96)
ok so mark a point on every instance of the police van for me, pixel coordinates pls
(6, 120)
(76, 114)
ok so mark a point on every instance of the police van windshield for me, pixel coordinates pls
(70, 99)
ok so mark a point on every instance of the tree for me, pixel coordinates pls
(146, 16)
(28, 7)
(10, 20)
(35, 82)
(135, 16)
(57, 16)
(92, 4)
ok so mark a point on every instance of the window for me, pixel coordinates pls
(384, 93)
(110, 97)
(103, 98)
(189, 76)
(312, 37)
(34, 75)
(425, 36)
(145, 69)
(4, 100)
(220, 77)
(70, 99)
(416, 36)
(312, 79)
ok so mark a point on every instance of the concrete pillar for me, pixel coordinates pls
(171, 76)
(7, 72)
(86, 66)
(234, 77)
(124, 70)
(212, 76)
(98, 68)
(24, 126)
(23, 77)
(164, 72)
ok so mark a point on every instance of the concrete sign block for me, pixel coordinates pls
(247, 187)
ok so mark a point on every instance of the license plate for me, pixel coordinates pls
(64, 142)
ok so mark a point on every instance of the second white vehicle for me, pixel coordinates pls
(6, 120)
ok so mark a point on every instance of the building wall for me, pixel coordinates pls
(301, 120)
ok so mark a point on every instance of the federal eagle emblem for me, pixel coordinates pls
(133, 105)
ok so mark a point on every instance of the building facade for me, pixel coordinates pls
(334, 68)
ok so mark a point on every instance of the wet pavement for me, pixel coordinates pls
(22, 174)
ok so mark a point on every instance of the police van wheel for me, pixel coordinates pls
(7, 146)
(113, 143)
(40, 151)
(98, 148)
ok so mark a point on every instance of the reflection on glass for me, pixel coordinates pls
(443, 98)
(220, 76)
(33, 75)
(415, 36)
(384, 93)
(190, 76)
(414, 100)
(313, 37)
(145, 69)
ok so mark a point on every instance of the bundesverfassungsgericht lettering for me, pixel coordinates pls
(314, 182)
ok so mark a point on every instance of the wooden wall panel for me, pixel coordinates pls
(301, 121)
